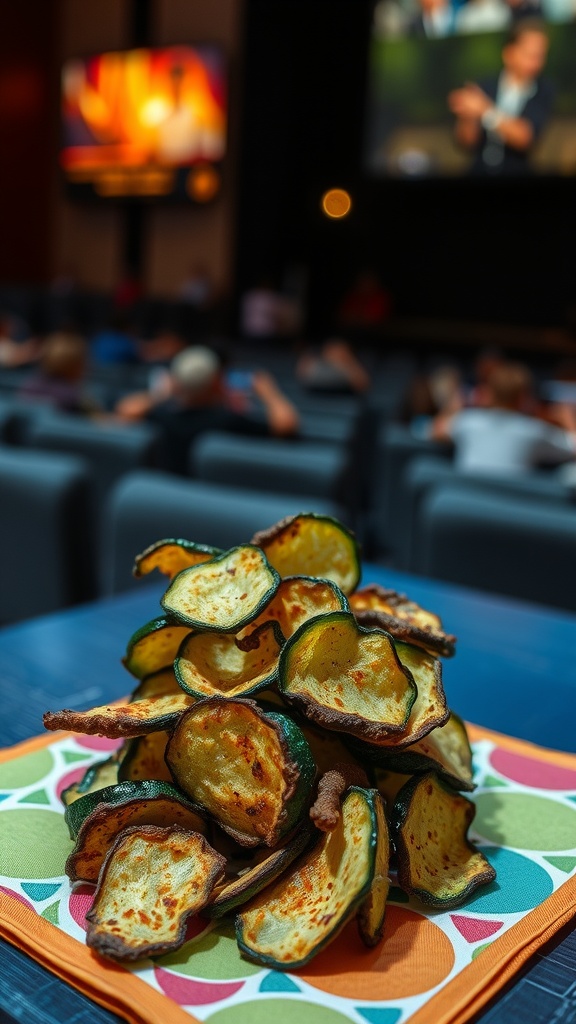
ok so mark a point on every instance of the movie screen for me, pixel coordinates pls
(146, 122)
(483, 88)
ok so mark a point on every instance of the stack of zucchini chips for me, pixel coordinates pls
(288, 746)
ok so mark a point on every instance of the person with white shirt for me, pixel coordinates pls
(500, 120)
(505, 438)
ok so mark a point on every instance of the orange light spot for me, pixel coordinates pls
(336, 203)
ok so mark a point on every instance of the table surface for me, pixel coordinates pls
(514, 672)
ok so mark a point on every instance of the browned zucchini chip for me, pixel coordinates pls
(312, 545)
(157, 684)
(96, 777)
(296, 917)
(219, 664)
(436, 861)
(251, 880)
(373, 909)
(154, 646)
(97, 818)
(374, 605)
(445, 749)
(225, 593)
(298, 599)
(430, 709)
(346, 678)
(150, 714)
(252, 772)
(144, 758)
(152, 881)
(170, 556)
(328, 748)
(389, 784)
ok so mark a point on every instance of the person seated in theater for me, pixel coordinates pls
(60, 378)
(505, 436)
(193, 398)
(334, 369)
(17, 346)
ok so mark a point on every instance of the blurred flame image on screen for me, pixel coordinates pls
(143, 107)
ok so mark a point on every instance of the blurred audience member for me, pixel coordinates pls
(366, 306)
(334, 369)
(505, 436)
(197, 288)
(17, 348)
(265, 312)
(59, 379)
(193, 398)
(115, 343)
(128, 291)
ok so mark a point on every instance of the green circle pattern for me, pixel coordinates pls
(33, 843)
(213, 957)
(525, 822)
(289, 1011)
(25, 771)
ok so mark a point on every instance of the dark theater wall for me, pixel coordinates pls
(27, 137)
(456, 249)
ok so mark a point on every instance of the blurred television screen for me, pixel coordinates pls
(446, 79)
(145, 123)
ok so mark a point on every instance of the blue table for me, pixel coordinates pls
(514, 672)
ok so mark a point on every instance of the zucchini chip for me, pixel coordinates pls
(154, 646)
(225, 593)
(250, 881)
(292, 920)
(372, 910)
(346, 678)
(374, 605)
(152, 881)
(446, 750)
(157, 684)
(298, 599)
(252, 772)
(436, 861)
(429, 710)
(97, 776)
(170, 556)
(312, 545)
(96, 819)
(144, 758)
(135, 719)
(219, 664)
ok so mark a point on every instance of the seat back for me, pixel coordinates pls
(46, 533)
(110, 450)
(505, 544)
(395, 447)
(282, 467)
(426, 473)
(148, 505)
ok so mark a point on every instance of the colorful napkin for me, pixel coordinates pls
(432, 966)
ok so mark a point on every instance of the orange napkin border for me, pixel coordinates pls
(127, 995)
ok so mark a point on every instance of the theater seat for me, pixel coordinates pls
(148, 505)
(282, 467)
(525, 548)
(110, 450)
(427, 472)
(46, 540)
(386, 530)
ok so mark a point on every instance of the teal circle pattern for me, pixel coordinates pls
(520, 884)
